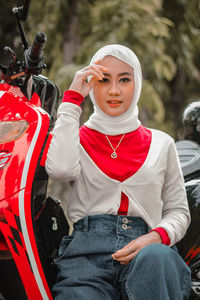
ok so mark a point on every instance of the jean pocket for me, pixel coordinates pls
(65, 246)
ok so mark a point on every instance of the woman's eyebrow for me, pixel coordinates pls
(126, 73)
(120, 74)
(106, 74)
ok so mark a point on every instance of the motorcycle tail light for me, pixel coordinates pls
(12, 130)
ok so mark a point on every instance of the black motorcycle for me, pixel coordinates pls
(189, 246)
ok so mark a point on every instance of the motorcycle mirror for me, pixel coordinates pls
(21, 13)
(23, 7)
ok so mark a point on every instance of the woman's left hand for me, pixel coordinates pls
(126, 254)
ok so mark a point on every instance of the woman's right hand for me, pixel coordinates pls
(80, 84)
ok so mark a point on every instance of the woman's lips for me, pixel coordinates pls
(114, 103)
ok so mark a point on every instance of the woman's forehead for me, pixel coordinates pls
(113, 63)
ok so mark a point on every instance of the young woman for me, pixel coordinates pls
(127, 203)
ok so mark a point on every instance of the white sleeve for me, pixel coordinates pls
(176, 215)
(63, 159)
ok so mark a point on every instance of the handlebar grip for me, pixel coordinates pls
(38, 45)
(34, 56)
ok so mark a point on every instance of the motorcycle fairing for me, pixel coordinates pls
(189, 156)
(16, 180)
(189, 246)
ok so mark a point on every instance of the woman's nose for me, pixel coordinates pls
(114, 89)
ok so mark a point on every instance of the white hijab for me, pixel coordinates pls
(128, 121)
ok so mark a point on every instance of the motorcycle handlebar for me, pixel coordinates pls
(38, 45)
(34, 55)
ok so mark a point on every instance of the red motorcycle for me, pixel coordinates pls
(30, 223)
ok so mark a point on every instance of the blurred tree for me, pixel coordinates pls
(8, 29)
(183, 47)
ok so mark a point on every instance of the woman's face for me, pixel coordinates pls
(114, 93)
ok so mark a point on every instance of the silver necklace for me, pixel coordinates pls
(114, 154)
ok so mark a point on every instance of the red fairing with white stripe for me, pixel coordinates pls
(20, 156)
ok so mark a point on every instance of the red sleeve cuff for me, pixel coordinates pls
(164, 235)
(72, 97)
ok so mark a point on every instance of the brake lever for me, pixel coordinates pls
(9, 51)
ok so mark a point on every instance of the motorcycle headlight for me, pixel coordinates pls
(12, 130)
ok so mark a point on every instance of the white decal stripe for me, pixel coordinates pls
(22, 214)
(191, 182)
(1, 93)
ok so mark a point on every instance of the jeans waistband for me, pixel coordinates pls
(111, 222)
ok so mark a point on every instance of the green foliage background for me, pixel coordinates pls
(165, 35)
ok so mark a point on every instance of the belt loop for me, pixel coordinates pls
(85, 224)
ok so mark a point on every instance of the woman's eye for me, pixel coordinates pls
(124, 79)
(104, 80)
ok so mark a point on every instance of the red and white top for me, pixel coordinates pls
(136, 183)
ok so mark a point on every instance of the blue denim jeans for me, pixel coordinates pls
(86, 269)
